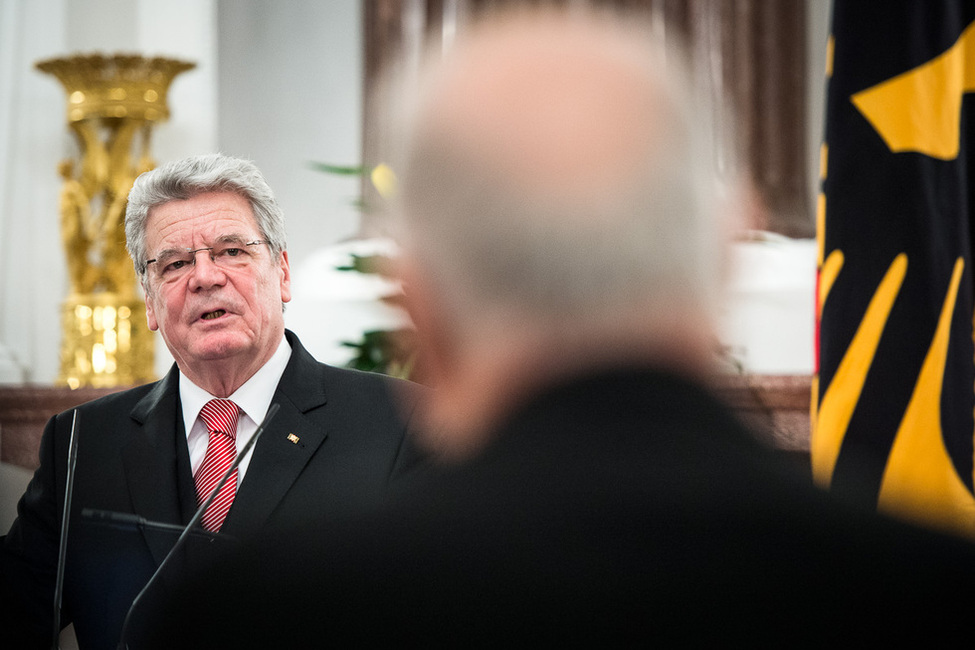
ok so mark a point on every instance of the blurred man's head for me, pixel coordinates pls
(558, 209)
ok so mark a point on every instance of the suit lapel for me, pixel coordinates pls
(154, 470)
(285, 447)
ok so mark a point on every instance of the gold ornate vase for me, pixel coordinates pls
(113, 101)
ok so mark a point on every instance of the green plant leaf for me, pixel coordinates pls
(341, 170)
(367, 263)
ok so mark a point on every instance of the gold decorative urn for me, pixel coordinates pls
(113, 102)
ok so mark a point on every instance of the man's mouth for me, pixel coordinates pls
(210, 315)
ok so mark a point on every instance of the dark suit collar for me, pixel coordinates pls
(287, 444)
(626, 401)
(303, 379)
(156, 462)
(609, 387)
(165, 387)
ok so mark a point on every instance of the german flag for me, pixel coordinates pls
(894, 395)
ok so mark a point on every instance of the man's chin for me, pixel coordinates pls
(217, 346)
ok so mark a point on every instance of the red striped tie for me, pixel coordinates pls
(220, 416)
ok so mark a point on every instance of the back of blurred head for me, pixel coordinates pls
(558, 212)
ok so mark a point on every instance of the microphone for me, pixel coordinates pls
(130, 522)
(65, 515)
(197, 516)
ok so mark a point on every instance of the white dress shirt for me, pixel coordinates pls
(253, 399)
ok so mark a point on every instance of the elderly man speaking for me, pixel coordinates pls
(208, 242)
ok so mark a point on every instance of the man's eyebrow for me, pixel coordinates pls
(166, 252)
(232, 238)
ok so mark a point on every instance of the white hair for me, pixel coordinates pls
(190, 177)
(493, 241)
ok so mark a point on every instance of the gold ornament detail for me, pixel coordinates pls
(113, 101)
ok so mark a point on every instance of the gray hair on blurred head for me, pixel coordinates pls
(591, 199)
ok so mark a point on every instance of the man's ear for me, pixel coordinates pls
(285, 269)
(150, 314)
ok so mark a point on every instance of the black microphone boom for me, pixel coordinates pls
(128, 521)
(197, 516)
(65, 515)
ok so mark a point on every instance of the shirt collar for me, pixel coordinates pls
(253, 397)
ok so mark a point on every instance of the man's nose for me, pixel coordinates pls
(205, 272)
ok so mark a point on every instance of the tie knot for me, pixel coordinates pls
(220, 415)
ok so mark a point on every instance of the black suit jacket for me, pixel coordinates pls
(625, 506)
(351, 441)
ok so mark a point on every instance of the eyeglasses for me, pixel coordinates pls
(174, 264)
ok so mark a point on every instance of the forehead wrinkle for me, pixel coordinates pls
(227, 208)
(233, 238)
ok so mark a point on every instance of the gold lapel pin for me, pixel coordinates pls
(293, 438)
